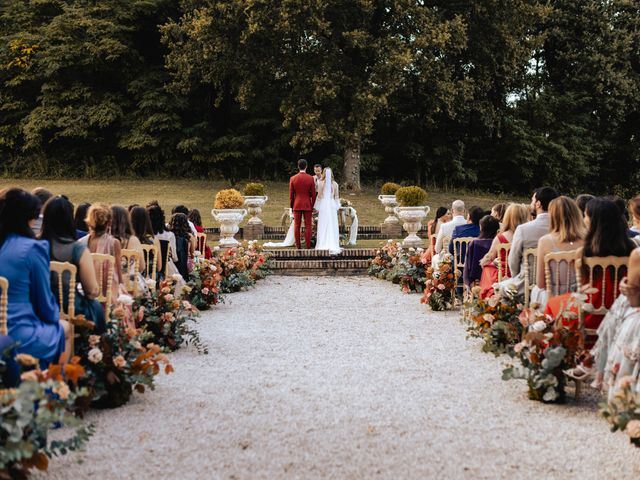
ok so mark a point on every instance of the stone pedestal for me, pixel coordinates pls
(253, 231)
(391, 230)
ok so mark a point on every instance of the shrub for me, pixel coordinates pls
(254, 189)
(390, 188)
(230, 198)
(411, 196)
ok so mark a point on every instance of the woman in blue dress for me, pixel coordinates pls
(33, 315)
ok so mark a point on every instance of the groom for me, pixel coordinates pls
(302, 196)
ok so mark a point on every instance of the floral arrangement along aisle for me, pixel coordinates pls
(548, 347)
(404, 267)
(204, 283)
(240, 267)
(623, 410)
(42, 400)
(497, 320)
(440, 285)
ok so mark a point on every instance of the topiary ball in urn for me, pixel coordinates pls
(254, 200)
(412, 211)
(228, 212)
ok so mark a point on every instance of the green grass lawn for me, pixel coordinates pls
(200, 194)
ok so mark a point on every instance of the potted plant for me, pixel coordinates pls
(388, 199)
(412, 211)
(254, 200)
(228, 212)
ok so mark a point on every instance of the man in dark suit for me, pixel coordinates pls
(470, 229)
(302, 197)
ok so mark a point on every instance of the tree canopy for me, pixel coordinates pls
(494, 94)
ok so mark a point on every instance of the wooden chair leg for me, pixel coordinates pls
(578, 389)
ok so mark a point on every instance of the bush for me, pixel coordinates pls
(230, 198)
(411, 196)
(390, 188)
(254, 189)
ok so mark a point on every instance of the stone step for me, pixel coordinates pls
(351, 261)
(304, 254)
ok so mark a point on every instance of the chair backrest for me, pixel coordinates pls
(104, 265)
(529, 269)
(445, 244)
(503, 266)
(130, 260)
(460, 246)
(564, 278)
(60, 270)
(4, 301)
(612, 270)
(201, 238)
(164, 255)
(150, 253)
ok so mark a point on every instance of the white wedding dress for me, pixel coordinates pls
(327, 231)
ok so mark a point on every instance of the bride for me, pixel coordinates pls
(327, 205)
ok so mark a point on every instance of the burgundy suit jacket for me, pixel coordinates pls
(302, 192)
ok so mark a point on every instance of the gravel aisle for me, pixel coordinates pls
(343, 378)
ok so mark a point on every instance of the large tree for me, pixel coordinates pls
(333, 64)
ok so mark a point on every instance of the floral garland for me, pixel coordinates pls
(548, 347)
(623, 410)
(204, 284)
(41, 400)
(240, 267)
(407, 268)
(440, 285)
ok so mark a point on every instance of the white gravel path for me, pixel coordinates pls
(343, 378)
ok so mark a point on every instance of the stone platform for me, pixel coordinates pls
(275, 234)
(289, 261)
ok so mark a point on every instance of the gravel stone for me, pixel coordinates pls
(343, 378)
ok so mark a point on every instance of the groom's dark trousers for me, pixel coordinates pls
(302, 196)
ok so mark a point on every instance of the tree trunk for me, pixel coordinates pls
(351, 169)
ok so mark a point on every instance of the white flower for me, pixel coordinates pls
(197, 253)
(518, 347)
(216, 248)
(550, 395)
(176, 277)
(95, 355)
(150, 282)
(125, 299)
(539, 326)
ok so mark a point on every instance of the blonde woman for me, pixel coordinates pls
(567, 232)
(516, 214)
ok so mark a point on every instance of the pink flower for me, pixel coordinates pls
(441, 286)
(518, 347)
(626, 381)
(62, 391)
(494, 301)
(527, 317)
(94, 340)
(487, 317)
(633, 429)
(141, 314)
(205, 291)
(119, 361)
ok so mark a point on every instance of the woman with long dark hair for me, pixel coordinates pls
(80, 220)
(472, 272)
(33, 315)
(196, 219)
(141, 224)
(58, 228)
(185, 242)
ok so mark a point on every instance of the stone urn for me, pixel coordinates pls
(229, 219)
(254, 204)
(390, 203)
(412, 218)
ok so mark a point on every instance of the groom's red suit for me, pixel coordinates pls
(302, 196)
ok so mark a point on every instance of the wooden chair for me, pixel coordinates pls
(613, 269)
(529, 269)
(150, 253)
(460, 246)
(59, 270)
(4, 301)
(105, 266)
(503, 269)
(554, 286)
(445, 244)
(130, 268)
(201, 242)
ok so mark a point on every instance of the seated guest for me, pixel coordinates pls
(99, 240)
(634, 210)
(470, 229)
(166, 240)
(141, 224)
(582, 201)
(122, 230)
(79, 220)
(498, 211)
(567, 232)
(446, 229)
(527, 236)
(185, 242)
(515, 215)
(59, 230)
(185, 210)
(33, 315)
(617, 352)
(196, 219)
(433, 227)
(43, 195)
(606, 236)
(489, 226)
